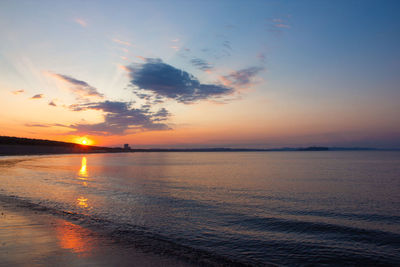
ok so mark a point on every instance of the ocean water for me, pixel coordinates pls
(284, 208)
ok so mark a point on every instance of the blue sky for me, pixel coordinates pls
(237, 73)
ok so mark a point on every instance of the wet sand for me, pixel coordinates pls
(31, 238)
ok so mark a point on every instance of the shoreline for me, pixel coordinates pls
(30, 236)
(87, 241)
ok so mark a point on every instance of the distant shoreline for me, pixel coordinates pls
(26, 150)
(16, 146)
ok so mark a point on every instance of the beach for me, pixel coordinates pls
(34, 238)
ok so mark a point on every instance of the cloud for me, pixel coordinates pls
(261, 57)
(241, 78)
(122, 67)
(166, 81)
(227, 44)
(282, 25)
(277, 25)
(106, 106)
(201, 64)
(17, 92)
(37, 96)
(36, 125)
(81, 22)
(81, 88)
(141, 58)
(45, 125)
(52, 103)
(119, 118)
(121, 42)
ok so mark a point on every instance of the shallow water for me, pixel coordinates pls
(254, 207)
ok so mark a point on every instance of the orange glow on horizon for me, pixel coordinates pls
(83, 140)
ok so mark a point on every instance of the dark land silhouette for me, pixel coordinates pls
(27, 146)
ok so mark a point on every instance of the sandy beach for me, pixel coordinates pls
(32, 238)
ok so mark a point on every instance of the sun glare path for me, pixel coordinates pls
(83, 173)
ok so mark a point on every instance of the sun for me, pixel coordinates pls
(83, 141)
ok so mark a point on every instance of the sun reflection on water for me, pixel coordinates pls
(82, 202)
(83, 173)
(75, 238)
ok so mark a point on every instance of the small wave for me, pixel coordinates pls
(364, 216)
(332, 231)
(141, 237)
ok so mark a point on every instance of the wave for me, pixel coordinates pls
(295, 241)
(329, 231)
(364, 216)
(138, 236)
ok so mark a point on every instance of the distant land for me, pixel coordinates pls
(26, 146)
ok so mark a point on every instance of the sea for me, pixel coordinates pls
(227, 208)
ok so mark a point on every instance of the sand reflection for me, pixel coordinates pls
(75, 238)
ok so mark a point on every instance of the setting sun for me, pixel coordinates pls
(83, 140)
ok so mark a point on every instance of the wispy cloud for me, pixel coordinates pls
(125, 68)
(37, 96)
(261, 57)
(166, 81)
(37, 125)
(79, 87)
(122, 42)
(241, 78)
(201, 64)
(282, 25)
(227, 44)
(43, 125)
(278, 24)
(17, 92)
(126, 50)
(81, 22)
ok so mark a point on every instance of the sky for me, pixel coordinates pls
(176, 74)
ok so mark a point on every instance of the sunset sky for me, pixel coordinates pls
(255, 74)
